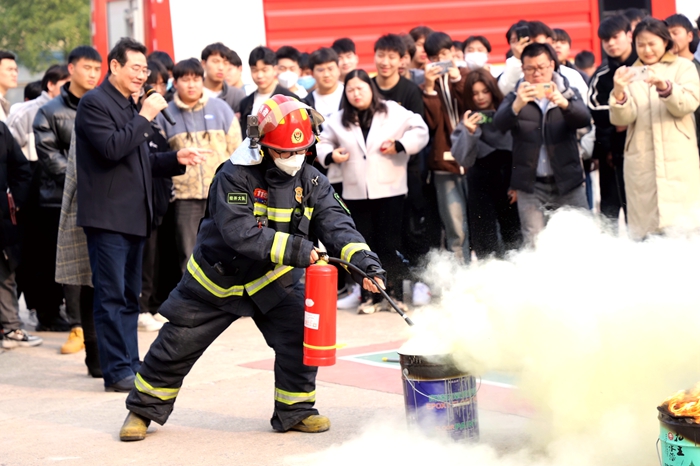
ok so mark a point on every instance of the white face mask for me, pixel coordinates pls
(291, 165)
(287, 79)
(476, 60)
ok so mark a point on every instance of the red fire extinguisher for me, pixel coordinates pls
(319, 318)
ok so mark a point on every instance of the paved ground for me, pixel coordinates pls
(53, 413)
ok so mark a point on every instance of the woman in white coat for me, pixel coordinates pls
(655, 98)
(371, 140)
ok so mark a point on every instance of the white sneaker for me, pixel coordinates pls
(352, 300)
(147, 323)
(421, 294)
(160, 318)
(368, 307)
(21, 338)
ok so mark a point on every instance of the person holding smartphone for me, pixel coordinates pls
(443, 99)
(487, 154)
(544, 115)
(662, 175)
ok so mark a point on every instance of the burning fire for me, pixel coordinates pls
(685, 403)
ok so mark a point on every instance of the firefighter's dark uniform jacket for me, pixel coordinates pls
(251, 247)
(255, 239)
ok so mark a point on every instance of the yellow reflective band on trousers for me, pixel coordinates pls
(279, 215)
(289, 398)
(279, 244)
(257, 285)
(259, 210)
(350, 249)
(196, 271)
(160, 393)
(236, 290)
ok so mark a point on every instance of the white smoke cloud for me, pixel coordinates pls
(599, 330)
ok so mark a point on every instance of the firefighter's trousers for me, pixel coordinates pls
(193, 326)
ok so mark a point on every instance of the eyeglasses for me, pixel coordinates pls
(286, 155)
(532, 69)
(140, 70)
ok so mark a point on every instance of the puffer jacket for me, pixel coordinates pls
(662, 172)
(210, 124)
(53, 126)
(556, 129)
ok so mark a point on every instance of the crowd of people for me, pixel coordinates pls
(431, 149)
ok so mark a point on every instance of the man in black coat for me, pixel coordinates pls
(543, 116)
(15, 176)
(115, 201)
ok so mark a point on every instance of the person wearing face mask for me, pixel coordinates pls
(371, 139)
(476, 52)
(655, 98)
(289, 71)
(252, 248)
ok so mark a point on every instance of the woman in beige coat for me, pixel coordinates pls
(655, 98)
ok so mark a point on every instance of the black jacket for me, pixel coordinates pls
(53, 126)
(558, 135)
(255, 238)
(607, 138)
(15, 175)
(246, 105)
(114, 164)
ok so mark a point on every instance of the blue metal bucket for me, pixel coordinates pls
(679, 442)
(440, 400)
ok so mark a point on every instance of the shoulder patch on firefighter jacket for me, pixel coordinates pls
(342, 204)
(237, 198)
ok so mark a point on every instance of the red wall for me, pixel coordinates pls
(309, 25)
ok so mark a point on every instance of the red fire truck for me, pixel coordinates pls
(183, 27)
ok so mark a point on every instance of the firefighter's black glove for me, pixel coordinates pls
(368, 262)
(300, 253)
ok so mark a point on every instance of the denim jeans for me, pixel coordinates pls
(452, 204)
(116, 260)
(532, 206)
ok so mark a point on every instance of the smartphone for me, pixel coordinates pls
(444, 65)
(544, 90)
(640, 73)
(461, 64)
(522, 31)
(486, 116)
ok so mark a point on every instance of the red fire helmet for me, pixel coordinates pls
(286, 124)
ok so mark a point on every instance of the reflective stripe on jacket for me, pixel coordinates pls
(257, 235)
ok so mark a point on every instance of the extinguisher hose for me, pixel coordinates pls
(371, 278)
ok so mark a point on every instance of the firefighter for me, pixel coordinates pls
(266, 207)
